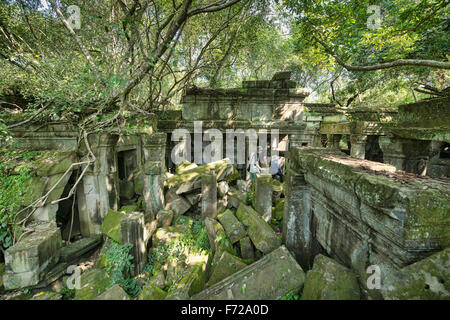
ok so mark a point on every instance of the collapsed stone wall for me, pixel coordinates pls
(31, 263)
(361, 213)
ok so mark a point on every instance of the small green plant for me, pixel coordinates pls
(251, 195)
(120, 266)
(67, 293)
(16, 169)
(291, 296)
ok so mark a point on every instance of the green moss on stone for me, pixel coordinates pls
(111, 225)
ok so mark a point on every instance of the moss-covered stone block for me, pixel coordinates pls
(152, 292)
(223, 267)
(427, 279)
(92, 283)
(111, 226)
(165, 235)
(259, 231)
(328, 280)
(234, 230)
(52, 163)
(114, 293)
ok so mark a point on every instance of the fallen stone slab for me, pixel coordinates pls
(165, 235)
(223, 188)
(52, 275)
(236, 197)
(164, 218)
(263, 197)
(270, 278)
(28, 260)
(259, 231)
(209, 195)
(218, 240)
(152, 292)
(114, 293)
(185, 166)
(131, 228)
(178, 204)
(192, 282)
(36, 251)
(234, 230)
(193, 198)
(223, 267)
(247, 250)
(93, 283)
(77, 249)
(427, 279)
(190, 180)
(329, 280)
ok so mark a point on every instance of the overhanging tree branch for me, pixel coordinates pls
(74, 35)
(385, 65)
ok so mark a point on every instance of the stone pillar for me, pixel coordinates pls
(154, 146)
(98, 191)
(209, 195)
(263, 197)
(132, 227)
(405, 154)
(358, 146)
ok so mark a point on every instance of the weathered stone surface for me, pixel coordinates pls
(158, 280)
(270, 278)
(132, 227)
(166, 234)
(191, 179)
(361, 212)
(192, 282)
(93, 283)
(138, 181)
(193, 198)
(185, 166)
(427, 279)
(259, 231)
(55, 163)
(28, 260)
(217, 237)
(47, 296)
(234, 230)
(46, 213)
(114, 293)
(164, 218)
(76, 249)
(236, 197)
(223, 267)
(263, 197)
(152, 292)
(111, 226)
(209, 195)
(328, 280)
(178, 204)
(223, 188)
(247, 250)
(222, 204)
